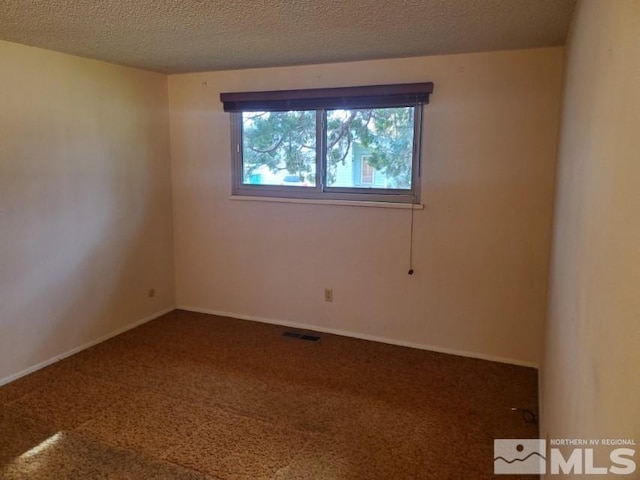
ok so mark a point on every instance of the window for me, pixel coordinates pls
(358, 143)
(367, 171)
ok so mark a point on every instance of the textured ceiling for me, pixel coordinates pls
(198, 35)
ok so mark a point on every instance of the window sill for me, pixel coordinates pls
(346, 203)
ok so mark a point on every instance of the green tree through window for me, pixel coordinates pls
(387, 133)
(281, 141)
(285, 143)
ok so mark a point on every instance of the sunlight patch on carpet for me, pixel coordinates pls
(48, 443)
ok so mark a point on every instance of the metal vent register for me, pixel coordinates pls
(302, 336)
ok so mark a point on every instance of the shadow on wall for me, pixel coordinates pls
(86, 208)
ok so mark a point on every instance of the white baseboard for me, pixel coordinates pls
(84, 346)
(362, 336)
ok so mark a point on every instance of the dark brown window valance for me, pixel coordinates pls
(374, 96)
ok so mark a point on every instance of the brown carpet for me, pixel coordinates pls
(194, 396)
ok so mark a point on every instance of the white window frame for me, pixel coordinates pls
(364, 160)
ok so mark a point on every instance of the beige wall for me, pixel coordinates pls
(481, 244)
(85, 202)
(590, 375)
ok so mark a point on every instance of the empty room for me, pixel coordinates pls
(324, 240)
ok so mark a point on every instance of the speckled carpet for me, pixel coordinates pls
(194, 396)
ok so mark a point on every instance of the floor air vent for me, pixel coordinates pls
(301, 336)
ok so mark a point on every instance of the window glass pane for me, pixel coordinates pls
(370, 148)
(279, 148)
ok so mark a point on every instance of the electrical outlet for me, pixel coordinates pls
(328, 294)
